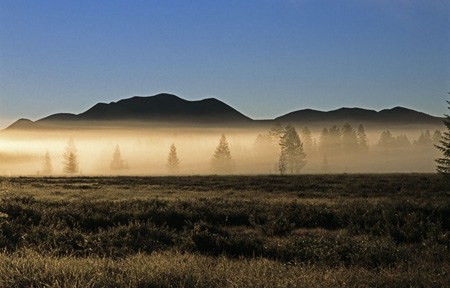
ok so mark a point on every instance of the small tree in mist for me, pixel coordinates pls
(292, 156)
(173, 163)
(70, 163)
(362, 139)
(47, 165)
(117, 163)
(221, 161)
(443, 164)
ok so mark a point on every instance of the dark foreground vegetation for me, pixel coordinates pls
(266, 231)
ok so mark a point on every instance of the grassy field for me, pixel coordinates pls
(236, 231)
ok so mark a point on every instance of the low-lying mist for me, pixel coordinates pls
(253, 151)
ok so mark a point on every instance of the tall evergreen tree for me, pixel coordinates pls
(221, 161)
(70, 162)
(443, 164)
(117, 163)
(173, 163)
(292, 155)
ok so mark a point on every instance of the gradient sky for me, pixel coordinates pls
(263, 57)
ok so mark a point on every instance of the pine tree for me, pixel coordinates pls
(70, 158)
(443, 164)
(117, 163)
(173, 163)
(47, 165)
(221, 161)
(362, 139)
(292, 155)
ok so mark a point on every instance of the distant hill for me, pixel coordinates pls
(396, 116)
(161, 108)
(168, 109)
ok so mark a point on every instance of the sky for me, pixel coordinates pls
(263, 57)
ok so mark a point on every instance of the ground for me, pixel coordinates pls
(226, 231)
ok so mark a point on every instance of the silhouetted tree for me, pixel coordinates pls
(117, 163)
(362, 139)
(443, 164)
(173, 163)
(292, 155)
(221, 161)
(70, 162)
(47, 165)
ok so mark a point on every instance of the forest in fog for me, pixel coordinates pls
(276, 150)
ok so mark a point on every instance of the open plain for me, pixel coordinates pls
(372, 230)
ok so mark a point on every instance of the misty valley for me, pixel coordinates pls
(335, 149)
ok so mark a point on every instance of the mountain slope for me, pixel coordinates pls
(161, 108)
(168, 109)
(397, 116)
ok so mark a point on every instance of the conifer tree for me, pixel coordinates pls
(221, 161)
(70, 162)
(292, 155)
(117, 163)
(443, 164)
(173, 163)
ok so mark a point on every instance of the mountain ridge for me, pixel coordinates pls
(167, 108)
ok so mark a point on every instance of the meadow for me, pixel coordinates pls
(346, 230)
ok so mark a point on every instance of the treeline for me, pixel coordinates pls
(280, 150)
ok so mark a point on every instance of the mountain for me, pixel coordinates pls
(161, 108)
(167, 109)
(394, 116)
